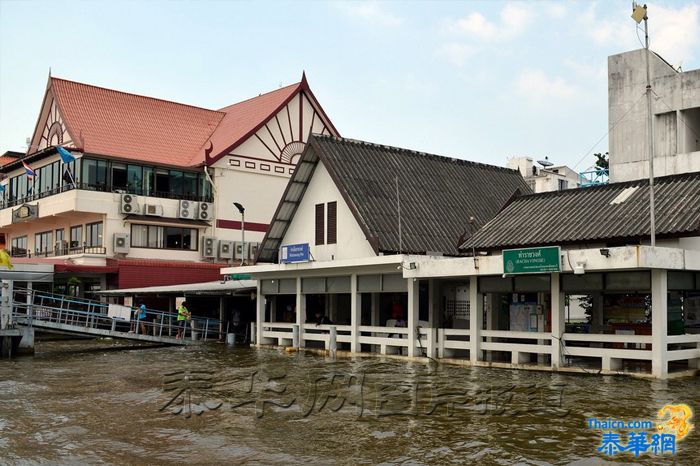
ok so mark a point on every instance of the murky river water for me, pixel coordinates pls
(74, 404)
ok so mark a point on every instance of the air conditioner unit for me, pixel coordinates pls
(187, 209)
(154, 210)
(239, 253)
(127, 204)
(253, 250)
(206, 211)
(209, 244)
(225, 249)
(121, 243)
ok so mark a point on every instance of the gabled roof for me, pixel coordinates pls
(133, 127)
(611, 213)
(438, 195)
(107, 122)
(9, 157)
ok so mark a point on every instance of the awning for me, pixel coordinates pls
(218, 288)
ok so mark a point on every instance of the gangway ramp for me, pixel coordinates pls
(79, 316)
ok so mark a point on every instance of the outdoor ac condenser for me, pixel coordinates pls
(240, 253)
(225, 249)
(127, 204)
(153, 210)
(187, 209)
(209, 245)
(205, 211)
(121, 243)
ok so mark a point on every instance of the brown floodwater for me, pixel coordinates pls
(95, 402)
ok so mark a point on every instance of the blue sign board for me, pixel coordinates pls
(292, 253)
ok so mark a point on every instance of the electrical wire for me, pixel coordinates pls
(614, 125)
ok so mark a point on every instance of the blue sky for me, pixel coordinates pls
(477, 80)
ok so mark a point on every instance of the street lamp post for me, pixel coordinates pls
(241, 209)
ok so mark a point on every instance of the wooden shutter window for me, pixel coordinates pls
(320, 227)
(332, 223)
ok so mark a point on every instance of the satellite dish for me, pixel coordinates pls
(545, 162)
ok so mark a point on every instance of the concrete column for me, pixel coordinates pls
(26, 344)
(6, 304)
(413, 291)
(222, 327)
(273, 309)
(659, 323)
(259, 314)
(355, 315)
(30, 299)
(301, 312)
(476, 318)
(491, 318)
(558, 321)
(433, 303)
(375, 309)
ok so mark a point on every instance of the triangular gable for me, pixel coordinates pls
(293, 199)
(50, 129)
(273, 126)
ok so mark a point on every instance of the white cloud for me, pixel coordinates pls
(456, 53)
(514, 19)
(674, 32)
(556, 10)
(536, 85)
(370, 11)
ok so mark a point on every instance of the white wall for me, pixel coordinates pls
(351, 243)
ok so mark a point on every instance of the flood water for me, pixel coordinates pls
(89, 402)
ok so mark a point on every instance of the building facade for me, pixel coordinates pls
(676, 117)
(148, 199)
(547, 178)
(501, 295)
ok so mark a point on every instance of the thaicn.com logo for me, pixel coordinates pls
(640, 437)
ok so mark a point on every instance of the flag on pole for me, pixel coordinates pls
(66, 156)
(28, 170)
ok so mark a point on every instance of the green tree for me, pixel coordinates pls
(602, 161)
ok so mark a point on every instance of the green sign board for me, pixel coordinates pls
(531, 260)
(240, 276)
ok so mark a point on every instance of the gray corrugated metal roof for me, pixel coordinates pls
(590, 214)
(438, 194)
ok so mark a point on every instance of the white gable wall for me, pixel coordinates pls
(351, 243)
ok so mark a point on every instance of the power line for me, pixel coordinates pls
(609, 129)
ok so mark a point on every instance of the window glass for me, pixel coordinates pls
(149, 181)
(19, 246)
(162, 182)
(119, 179)
(93, 234)
(139, 236)
(135, 179)
(189, 185)
(43, 242)
(159, 237)
(176, 182)
(76, 236)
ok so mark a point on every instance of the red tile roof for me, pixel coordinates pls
(5, 159)
(245, 118)
(129, 126)
(114, 123)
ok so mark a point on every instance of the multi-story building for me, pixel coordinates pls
(546, 178)
(149, 198)
(676, 117)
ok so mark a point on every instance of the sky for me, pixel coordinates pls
(483, 81)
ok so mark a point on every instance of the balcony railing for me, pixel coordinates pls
(104, 188)
(67, 251)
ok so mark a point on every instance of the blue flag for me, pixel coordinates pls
(66, 156)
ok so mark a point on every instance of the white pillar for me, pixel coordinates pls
(301, 312)
(413, 291)
(433, 303)
(375, 309)
(355, 315)
(659, 323)
(558, 321)
(222, 329)
(476, 319)
(259, 314)
(273, 309)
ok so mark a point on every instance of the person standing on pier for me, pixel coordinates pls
(183, 316)
(142, 318)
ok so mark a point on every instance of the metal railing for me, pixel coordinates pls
(35, 307)
(63, 251)
(103, 188)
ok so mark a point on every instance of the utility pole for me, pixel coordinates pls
(639, 13)
(241, 209)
